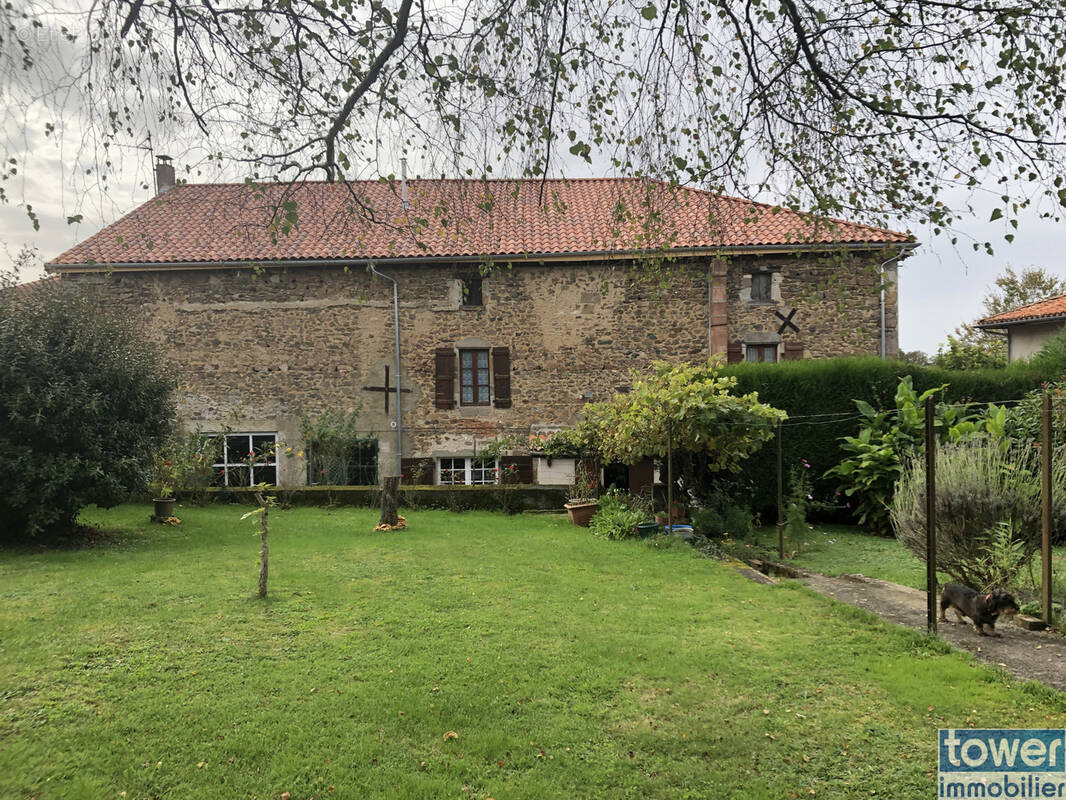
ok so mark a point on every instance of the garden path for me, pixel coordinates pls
(1030, 655)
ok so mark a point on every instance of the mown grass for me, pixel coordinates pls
(566, 666)
(838, 549)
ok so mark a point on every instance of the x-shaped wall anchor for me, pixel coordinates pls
(786, 321)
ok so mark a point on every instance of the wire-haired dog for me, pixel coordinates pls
(982, 609)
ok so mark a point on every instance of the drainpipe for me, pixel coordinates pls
(881, 272)
(396, 320)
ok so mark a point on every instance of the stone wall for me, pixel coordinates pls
(256, 350)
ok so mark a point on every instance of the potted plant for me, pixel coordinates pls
(164, 478)
(677, 516)
(583, 502)
(581, 509)
(183, 463)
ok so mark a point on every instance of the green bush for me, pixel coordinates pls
(84, 405)
(812, 387)
(618, 515)
(723, 517)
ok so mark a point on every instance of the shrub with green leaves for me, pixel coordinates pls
(85, 404)
(869, 473)
(618, 515)
(988, 511)
(810, 388)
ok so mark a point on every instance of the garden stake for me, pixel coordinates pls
(930, 515)
(780, 498)
(1045, 492)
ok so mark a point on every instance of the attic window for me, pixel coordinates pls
(471, 289)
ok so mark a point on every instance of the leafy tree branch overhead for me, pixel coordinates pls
(850, 108)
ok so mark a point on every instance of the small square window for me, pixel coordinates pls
(761, 287)
(472, 291)
(761, 352)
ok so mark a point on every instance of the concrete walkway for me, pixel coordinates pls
(1029, 655)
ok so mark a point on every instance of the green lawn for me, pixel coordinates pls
(836, 549)
(567, 666)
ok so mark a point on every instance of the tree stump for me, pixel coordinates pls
(390, 496)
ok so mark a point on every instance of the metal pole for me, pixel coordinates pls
(669, 478)
(780, 496)
(930, 515)
(1045, 491)
(396, 320)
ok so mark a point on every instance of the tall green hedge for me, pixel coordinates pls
(829, 386)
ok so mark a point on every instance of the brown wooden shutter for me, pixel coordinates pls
(523, 468)
(445, 394)
(501, 376)
(418, 471)
(734, 353)
(793, 351)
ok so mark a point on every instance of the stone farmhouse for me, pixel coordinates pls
(517, 302)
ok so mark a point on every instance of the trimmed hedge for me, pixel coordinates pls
(830, 386)
(452, 498)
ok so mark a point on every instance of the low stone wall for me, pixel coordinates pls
(451, 498)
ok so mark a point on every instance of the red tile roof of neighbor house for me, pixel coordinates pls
(215, 223)
(1052, 308)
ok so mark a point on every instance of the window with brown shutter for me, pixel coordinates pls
(445, 383)
(473, 377)
(734, 353)
(793, 351)
(501, 376)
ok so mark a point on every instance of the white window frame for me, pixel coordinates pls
(240, 459)
(468, 471)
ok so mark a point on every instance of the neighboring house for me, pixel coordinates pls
(1027, 328)
(519, 301)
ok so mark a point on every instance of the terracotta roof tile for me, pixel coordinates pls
(448, 218)
(1044, 309)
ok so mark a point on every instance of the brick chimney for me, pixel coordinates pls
(164, 175)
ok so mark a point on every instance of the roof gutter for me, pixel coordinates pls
(590, 255)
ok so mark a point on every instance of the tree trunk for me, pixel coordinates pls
(263, 553)
(390, 494)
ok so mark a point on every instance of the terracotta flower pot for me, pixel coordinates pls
(581, 513)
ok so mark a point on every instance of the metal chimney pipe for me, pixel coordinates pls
(404, 199)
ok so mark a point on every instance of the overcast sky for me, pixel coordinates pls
(941, 285)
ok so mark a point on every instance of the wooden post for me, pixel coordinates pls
(930, 515)
(390, 494)
(669, 478)
(780, 496)
(1045, 492)
(264, 528)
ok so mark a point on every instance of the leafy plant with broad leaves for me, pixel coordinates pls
(885, 438)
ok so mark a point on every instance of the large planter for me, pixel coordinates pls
(581, 513)
(164, 509)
